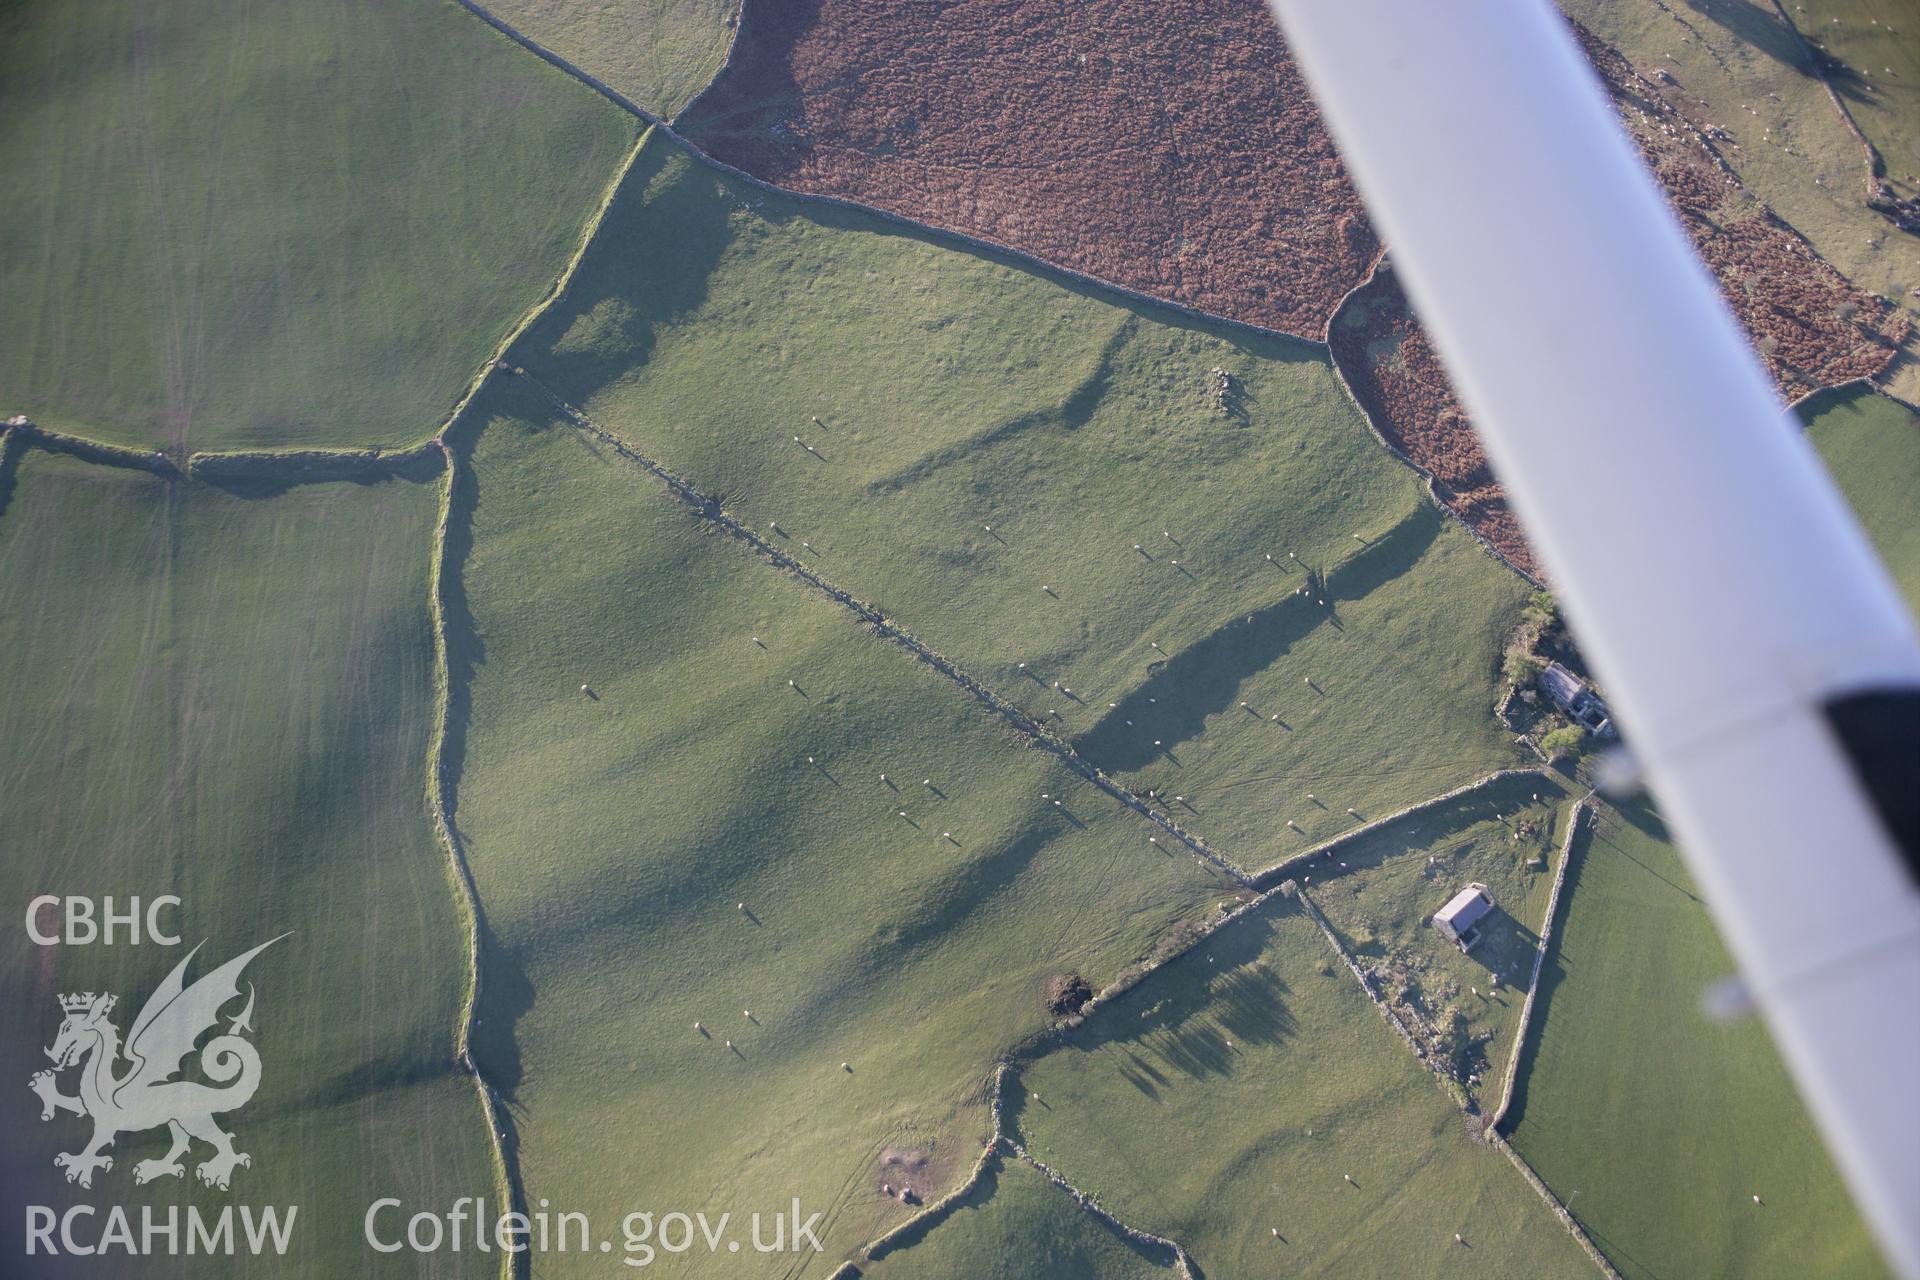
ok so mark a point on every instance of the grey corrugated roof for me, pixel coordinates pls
(1465, 908)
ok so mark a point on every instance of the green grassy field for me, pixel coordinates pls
(1667, 1124)
(662, 853)
(1018, 1226)
(1794, 152)
(229, 699)
(228, 224)
(1876, 44)
(1378, 893)
(659, 53)
(991, 445)
(1231, 1094)
(1871, 444)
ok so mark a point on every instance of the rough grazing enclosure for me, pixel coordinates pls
(1395, 374)
(1178, 155)
(1193, 167)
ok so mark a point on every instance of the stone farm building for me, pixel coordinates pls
(1461, 917)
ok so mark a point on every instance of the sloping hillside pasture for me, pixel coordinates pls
(658, 53)
(1873, 47)
(229, 699)
(1018, 1226)
(991, 447)
(1735, 64)
(659, 851)
(1665, 1123)
(1379, 893)
(1871, 444)
(231, 224)
(1232, 1094)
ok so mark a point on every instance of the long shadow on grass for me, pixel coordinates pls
(739, 135)
(1436, 827)
(1072, 413)
(651, 265)
(1552, 973)
(1158, 1034)
(267, 476)
(1204, 679)
(10, 444)
(1761, 28)
(648, 268)
(504, 992)
(1639, 813)
(395, 1071)
(941, 910)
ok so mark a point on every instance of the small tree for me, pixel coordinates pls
(1521, 668)
(1561, 741)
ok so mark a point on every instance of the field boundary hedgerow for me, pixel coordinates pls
(295, 466)
(303, 466)
(1427, 479)
(338, 464)
(29, 432)
(466, 891)
(709, 508)
(1181, 1260)
(308, 465)
(1048, 1038)
(1870, 382)
(1307, 905)
(964, 239)
(553, 59)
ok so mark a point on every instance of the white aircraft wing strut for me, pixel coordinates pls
(1756, 655)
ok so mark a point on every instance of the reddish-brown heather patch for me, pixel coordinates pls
(1169, 149)
(1813, 328)
(1173, 150)
(1397, 378)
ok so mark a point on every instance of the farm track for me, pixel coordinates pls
(1035, 732)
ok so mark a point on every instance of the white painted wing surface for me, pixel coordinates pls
(1714, 576)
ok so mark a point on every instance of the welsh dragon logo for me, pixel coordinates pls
(145, 1094)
